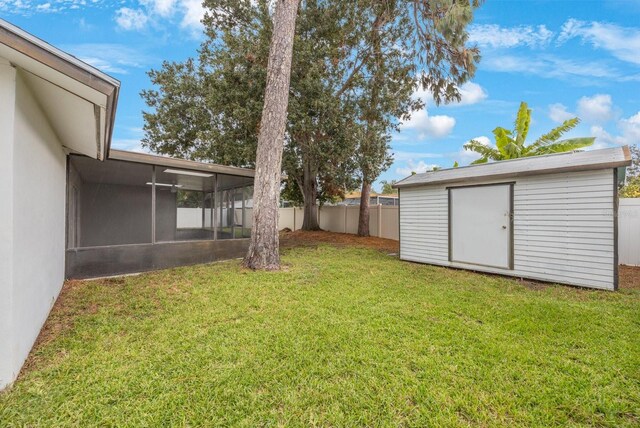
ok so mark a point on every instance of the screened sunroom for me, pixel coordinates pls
(136, 212)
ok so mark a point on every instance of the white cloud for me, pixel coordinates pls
(470, 93)
(558, 113)
(482, 140)
(131, 145)
(193, 14)
(595, 109)
(551, 66)
(134, 15)
(406, 156)
(84, 25)
(188, 12)
(629, 132)
(29, 7)
(630, 128)
(430, 126)
(109, 57)
(131, 19)
(622, 42)
(164, 8)
(104, 65)
(495, 36)
(412, 167)
(465, 156)
(603, 138)
(15, 6)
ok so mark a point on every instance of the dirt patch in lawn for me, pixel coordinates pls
(64, 313)
(629, 277)
(60, 320)
(309, 238)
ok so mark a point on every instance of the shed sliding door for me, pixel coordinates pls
(480, 225)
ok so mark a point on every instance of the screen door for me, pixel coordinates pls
(480, 225)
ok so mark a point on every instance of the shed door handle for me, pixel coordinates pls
(504, 227)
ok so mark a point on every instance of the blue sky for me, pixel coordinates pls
(564, 58)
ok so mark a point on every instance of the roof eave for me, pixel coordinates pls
(42, 52)
(493, 177)
(112, 104)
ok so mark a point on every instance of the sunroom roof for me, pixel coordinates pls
(170, 162)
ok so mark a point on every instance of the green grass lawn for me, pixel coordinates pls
(341, 337)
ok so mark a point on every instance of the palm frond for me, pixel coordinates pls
(564, 146)
(553, 135)
(512, 150)
(521, 126)
(503, 139)
(484, 151)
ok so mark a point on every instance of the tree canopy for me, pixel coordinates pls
(355, 66)
(634, 169)
(387, 187)
(631, 188)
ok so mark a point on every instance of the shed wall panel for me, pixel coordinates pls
(424, 225)
(579, 232)
(563, 228)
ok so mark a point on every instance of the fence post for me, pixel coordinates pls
(345, 219)
(379, 221)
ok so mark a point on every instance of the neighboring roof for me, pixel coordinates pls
(79, 100)
(373, 195)
(179, 163)
(535, 165)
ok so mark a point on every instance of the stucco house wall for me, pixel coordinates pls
(34, 213)
(7, 108)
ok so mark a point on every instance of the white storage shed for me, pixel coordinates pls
(551, 218)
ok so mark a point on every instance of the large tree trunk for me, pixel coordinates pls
(310, 193)
(371, 117)
(363, 218)
(263, 251)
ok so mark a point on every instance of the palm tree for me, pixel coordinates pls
(511, 144)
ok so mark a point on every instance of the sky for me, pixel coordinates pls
(565, 58)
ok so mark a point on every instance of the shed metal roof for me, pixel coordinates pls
(548, 164)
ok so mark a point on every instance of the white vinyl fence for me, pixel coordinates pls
(383, 222)
(383, 219)
(629, 232)
(192, 217)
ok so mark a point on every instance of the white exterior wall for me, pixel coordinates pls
(37, 171)
(563, 228)
(7, 108)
